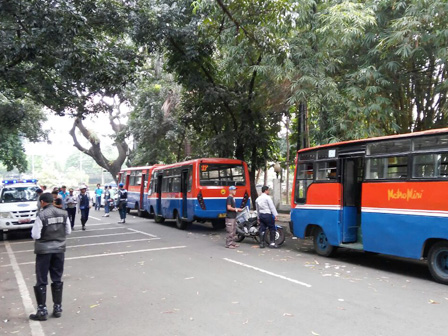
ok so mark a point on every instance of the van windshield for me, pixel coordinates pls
(222, 175)
(18, 194)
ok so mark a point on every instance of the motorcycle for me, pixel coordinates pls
(247, 226)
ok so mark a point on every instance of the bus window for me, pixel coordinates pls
(222, 175)
(427, 143)
(430, 165)
(389, 147)
(395, 167)
(305, 175)
(326, 170)
(176, 184)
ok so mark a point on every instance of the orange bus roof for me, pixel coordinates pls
(387, 137)
(207, 160)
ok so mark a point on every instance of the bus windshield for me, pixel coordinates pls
(222, 175)
(18, 194)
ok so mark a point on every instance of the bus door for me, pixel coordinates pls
(142, 191)
(159, 178)
(351, 179)
(184, 190)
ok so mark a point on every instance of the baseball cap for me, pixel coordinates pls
(232, 188)
(121, 185)
(82, 187)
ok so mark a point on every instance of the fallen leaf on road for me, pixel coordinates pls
(95, 305)
(246, 322)
(433, 302)
(235, 302)
(189, 278)
(341, 300)
(288, 314)
(314, 333)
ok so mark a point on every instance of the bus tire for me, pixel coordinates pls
(438, 262)
(140, 212)
(180, 224)
(1, 235)
(321, 245)
(279, 236)
(159, 219)
(218, 224)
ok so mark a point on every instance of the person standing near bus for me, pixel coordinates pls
(49, 232)
(84, 206)
(70, 202)
(122, 202)
(98, 193)
(267, 215)
(106, 201)
(231, 211)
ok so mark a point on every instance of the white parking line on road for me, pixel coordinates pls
(80, 237)
(36, 328)
(98, 219)
(98, 244)
(267, 272)
(108, 254)
(143, 233)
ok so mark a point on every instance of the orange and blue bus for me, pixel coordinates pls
(384, 195)
(136, 181)
(197, 190)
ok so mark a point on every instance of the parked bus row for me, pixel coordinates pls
(187, 191)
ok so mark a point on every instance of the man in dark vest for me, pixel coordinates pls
(49, 232)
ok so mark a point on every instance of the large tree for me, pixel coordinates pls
(62, 54)
(222, 53)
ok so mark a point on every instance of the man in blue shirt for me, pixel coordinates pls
(63, 194)
(98, 193)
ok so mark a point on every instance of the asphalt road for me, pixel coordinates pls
(143, 278)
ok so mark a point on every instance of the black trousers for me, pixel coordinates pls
(84, 216)
(71, 212)
(51, 262)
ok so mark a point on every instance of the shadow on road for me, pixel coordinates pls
(381, 262)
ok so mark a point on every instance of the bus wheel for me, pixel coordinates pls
(321, 244)
(180, 224)
(218, 224)
(140, 212)
(159, 219)
(438, 262)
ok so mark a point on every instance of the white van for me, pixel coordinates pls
(18, 204)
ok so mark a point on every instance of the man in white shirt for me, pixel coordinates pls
(267, 215)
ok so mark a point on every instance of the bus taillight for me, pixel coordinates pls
(245, 199)
(201, 201)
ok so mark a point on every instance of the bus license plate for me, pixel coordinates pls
(223, 215)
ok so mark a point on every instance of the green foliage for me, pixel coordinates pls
(18, 119)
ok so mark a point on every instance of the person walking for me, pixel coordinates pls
(70, 202)
(57, 200)
(49, 233)
(267, 215)
(63, 195)
(84, 206)
(231, 211)
(106, 201)
(98, 193)
(122, 202)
